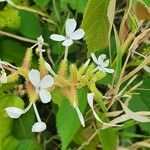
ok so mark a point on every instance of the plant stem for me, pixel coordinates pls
(29, 106)
(36, 113)
(19, 37)
(27, 9)
(89, 140)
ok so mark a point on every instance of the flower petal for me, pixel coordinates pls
(57, 37)
(77, 35)
(99, 68)
(40, 40)
(14, 112)
(3, 78)
(34, 76)
(90, 97)
(107, 70)
(80, 116)
(47, 81)
(105, 63)
(70, 26)
(45, 95)
(94, 58)
(101, 58)
(38, 127)
(67, 42)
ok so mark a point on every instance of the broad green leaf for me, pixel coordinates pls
(7, 141)
(24, 124)
(78, 5)
(12, 51)
(67, 120)
(9, 17)
(63, 4)
(108, 138)
(140, 102)
(28, 144)
(96, 23)
(42, 3)
(30, 25)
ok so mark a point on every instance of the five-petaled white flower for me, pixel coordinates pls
(102, 63)
(71, 33)
(41, 85)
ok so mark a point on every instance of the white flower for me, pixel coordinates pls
(102, 63)
(71, 33)
(3, 78)
(41, 85)
(14, 112)
(38, 127)
(39, 44)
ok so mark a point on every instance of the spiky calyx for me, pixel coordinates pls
(27, 59)
(33, 96)
(13, 77)
(42, 68)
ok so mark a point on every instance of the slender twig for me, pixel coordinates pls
(89, 140)
(19, 37)
(145, 62)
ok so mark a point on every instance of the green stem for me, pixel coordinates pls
(98, 96)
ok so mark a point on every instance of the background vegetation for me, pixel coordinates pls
(119, 29)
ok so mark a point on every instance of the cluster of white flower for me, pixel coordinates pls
(45, 96)
(41, 85)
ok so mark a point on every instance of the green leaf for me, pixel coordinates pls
(78, 5)
(9, 17)
(24, 124)
(42, 3)
(67, 120)
(140, 102)
(30, 25)
(12, 51)
(147, 2)
(118, 63)
(108, 138)
(28, 145)
(96, 23)
(7, 141)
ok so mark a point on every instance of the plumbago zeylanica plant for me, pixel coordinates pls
(98, 103)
